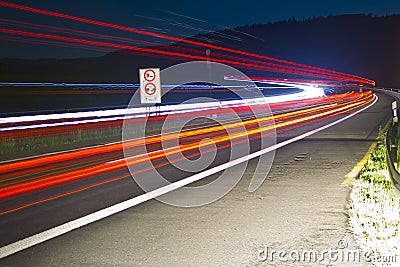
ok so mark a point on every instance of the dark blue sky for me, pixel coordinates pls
(177, 18)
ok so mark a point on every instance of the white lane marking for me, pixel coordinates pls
(126, 117)
(106, 113)
(220, 104)
(153, 109)
(101, 214)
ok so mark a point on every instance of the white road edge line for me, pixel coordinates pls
(101, 214)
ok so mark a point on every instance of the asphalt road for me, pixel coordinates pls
(299, 207)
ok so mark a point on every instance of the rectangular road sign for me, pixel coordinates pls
(150, 86)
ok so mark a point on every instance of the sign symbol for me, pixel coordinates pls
(150, 88)
(149, 75)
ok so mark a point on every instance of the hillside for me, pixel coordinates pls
(358, 44)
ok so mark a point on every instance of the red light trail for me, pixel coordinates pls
(87, 168)
(169, 54)
(24, 177)
(306, 70)
(59, 30)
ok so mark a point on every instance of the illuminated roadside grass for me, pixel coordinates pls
(11, 148)
(51, 143)
(373, 210)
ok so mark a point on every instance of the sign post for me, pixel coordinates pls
(394, 108)
(150, 87)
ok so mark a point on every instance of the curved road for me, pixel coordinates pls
(299, 206)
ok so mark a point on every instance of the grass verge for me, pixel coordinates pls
(373, 210)
(11, 147)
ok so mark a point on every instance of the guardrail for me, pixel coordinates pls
(393, 155)
(393, 141)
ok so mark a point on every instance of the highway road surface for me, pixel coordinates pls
(299, 207)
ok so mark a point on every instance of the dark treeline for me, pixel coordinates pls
(358, 44)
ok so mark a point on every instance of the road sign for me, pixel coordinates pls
(149, 75)
(150, 87)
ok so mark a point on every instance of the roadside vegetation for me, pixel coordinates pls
(373, 211)
(11, 148)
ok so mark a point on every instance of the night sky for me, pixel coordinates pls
(176, 18)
